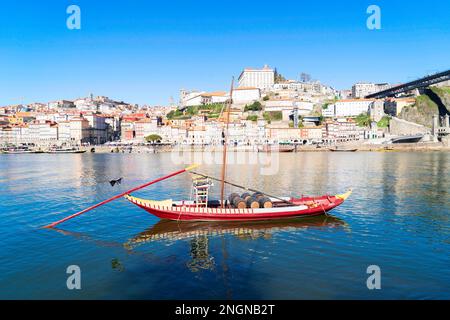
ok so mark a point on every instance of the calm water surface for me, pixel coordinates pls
(397, 218)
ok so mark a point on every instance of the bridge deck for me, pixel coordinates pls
(416, 84)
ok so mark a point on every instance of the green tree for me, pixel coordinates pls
(278, 77)
(174, 114)
(363, 120)
(273, 116)
(384, 122)
(255, 106)
(153, 138)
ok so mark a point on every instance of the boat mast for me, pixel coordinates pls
(224, 158)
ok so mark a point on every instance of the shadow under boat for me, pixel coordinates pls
(169, 230)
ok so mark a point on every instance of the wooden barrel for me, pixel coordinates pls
(252, 203)
(232, 196)
(257, 195)
(239, 203)
(246, 195)
(264, 202)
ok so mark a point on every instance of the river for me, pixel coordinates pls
(398, 218)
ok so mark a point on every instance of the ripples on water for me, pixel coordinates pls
(397, 218)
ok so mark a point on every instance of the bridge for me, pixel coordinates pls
(416, 84)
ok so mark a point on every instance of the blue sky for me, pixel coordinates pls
(145, 51)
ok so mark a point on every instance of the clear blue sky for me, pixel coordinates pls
(145, 51)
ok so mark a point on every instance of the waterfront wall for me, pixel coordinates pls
(402, 127)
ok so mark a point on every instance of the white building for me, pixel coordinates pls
(260, 78)
(246, 94)
(352, 107)
(98, 132)
(286, 106)
(60, 104)
(363, 89)
(204, 98)
(329, 111)
(219, 97)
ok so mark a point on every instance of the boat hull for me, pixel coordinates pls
(67, 151)
(304, 207)
(343, 150)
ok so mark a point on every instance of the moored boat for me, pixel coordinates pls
(20, 150)
(277, 148)
(66, 150)
(189, 211)
(342, 150)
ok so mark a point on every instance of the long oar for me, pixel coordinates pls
(120, 195)
(244, 188)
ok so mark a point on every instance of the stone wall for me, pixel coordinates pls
(402, 127)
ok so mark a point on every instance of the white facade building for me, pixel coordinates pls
(246, 94)
(260, 78)
(329, 111)
(351, 108)
(362, 89)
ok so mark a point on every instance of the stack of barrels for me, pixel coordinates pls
(247, 200)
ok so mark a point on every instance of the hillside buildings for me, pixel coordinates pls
(321, 116)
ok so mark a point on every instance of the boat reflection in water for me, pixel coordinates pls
(173, 230)
(199, 234)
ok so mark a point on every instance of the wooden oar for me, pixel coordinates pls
(244, 188)
(120, 195)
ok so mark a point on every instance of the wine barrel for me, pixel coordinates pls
(239, 203)
(264, 202)
(257, 195)
(232, 196)
(252, 203)
(246, 195)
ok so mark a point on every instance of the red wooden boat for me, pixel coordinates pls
(189, 211)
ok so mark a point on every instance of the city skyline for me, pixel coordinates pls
(144, 53)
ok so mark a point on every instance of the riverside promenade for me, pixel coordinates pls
(401, 147)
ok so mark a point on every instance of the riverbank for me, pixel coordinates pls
(410, 147)
(359, 147)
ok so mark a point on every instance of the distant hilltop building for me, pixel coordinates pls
(363, 89)
(258, 78)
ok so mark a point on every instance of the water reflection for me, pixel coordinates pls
(173, 230)
(199, 235)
